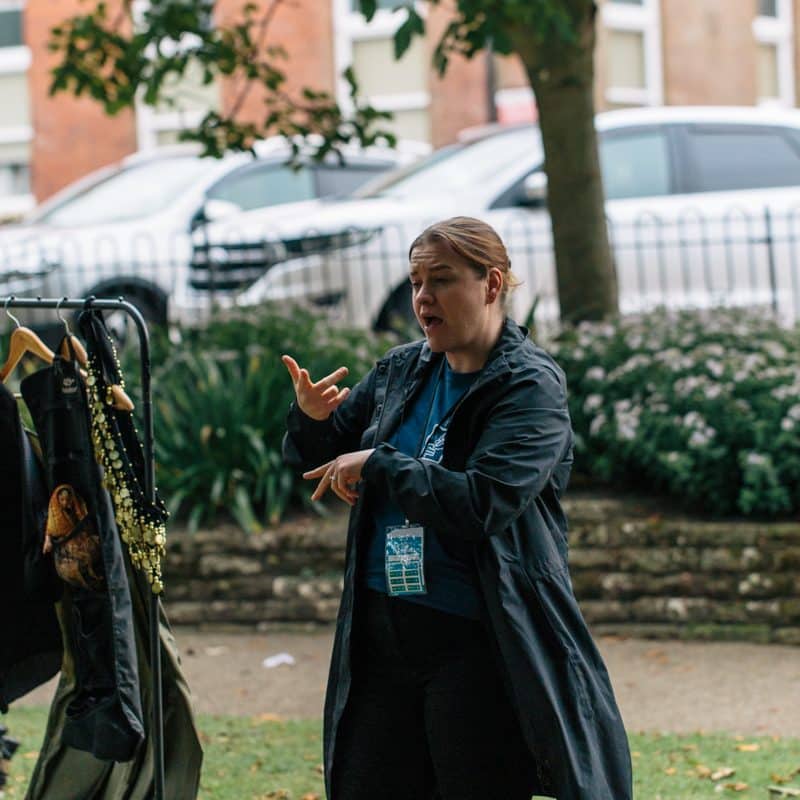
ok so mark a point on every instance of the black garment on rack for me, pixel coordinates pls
(105, 715)
(31, 649)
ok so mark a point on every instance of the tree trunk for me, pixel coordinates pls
(562, 77)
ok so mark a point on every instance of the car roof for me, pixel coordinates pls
(735, 115)
(650, 115)
(277, 147)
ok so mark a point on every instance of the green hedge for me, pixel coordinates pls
(221, 397)
(703, 406)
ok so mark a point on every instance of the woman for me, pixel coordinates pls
(462, 667)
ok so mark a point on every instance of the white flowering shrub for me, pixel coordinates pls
(702, 406)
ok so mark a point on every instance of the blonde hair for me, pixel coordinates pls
(476, 242)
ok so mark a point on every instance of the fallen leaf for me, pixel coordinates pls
(670, 771)
(722, 772)
(783, 792)
(737, 787)
(310, 796)
(260, 719)
(748, 748)
(702, 771)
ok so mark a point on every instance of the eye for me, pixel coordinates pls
(415, 285)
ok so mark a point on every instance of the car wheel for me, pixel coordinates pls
(397, 314)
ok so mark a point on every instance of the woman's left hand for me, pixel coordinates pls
(341, 475)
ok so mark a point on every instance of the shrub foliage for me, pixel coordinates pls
(704, 406)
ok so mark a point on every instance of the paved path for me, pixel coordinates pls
(661, 686)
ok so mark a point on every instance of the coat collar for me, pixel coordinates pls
(511, 336)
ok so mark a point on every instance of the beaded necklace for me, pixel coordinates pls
(142, 524)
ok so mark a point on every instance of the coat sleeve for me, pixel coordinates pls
(526, 436)
(308, 443)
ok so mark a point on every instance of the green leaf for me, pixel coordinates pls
(413, 25)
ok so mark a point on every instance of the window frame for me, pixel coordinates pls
(150, 122)
(791, 135)
(646, 20)
(16, 60)
(349, 27)
(777, 32)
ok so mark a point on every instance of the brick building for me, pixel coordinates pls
(650, 52)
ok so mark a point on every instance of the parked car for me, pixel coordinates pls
(701, 204)
(125, 229)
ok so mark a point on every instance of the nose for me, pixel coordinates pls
(424, 296)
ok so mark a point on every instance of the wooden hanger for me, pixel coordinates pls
(121, 400)
(24, 340)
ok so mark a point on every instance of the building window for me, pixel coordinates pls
(15, 126)
(184, 101)
(381, 5)
(772, 29)
(397, 86)
(11, 26)
(633, 52)
(15, 179)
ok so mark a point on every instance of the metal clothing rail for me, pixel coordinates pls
(149, 488)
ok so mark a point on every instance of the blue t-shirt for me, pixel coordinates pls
(450, 581)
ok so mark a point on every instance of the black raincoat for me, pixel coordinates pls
(507, 460)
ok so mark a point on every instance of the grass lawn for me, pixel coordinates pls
(265, 757)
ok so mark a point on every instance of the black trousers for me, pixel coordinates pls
(428, 715)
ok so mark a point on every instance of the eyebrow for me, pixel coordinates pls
(432, 268)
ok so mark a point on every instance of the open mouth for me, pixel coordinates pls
(430, 322)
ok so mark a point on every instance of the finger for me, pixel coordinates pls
(340, 397)
(322, 487)
(317, 471)
(304, 381)
(331, 379)
(330, 392)
(293, 368)
(342, 493)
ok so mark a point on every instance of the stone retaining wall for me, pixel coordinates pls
(635, 571)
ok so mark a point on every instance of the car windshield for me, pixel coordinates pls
(458, 166)
(135, 191)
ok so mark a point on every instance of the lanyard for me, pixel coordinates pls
(425, 436)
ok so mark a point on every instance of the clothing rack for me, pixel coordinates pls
(149, 486)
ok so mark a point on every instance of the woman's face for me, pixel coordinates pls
(64, 498)
(454, 306)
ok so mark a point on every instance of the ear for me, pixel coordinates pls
(494, 285)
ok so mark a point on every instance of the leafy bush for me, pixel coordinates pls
(704, 406)
(221, 397)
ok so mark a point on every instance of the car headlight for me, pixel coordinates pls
(317, 243)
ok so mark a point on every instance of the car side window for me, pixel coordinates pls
(344, 180)
(635, 164)
(259, 187)
(726, 158)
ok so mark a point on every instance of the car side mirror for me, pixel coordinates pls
(534, 189)
(213, 210)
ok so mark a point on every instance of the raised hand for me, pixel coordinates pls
(316, 400)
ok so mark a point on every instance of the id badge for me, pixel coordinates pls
(405, 550)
